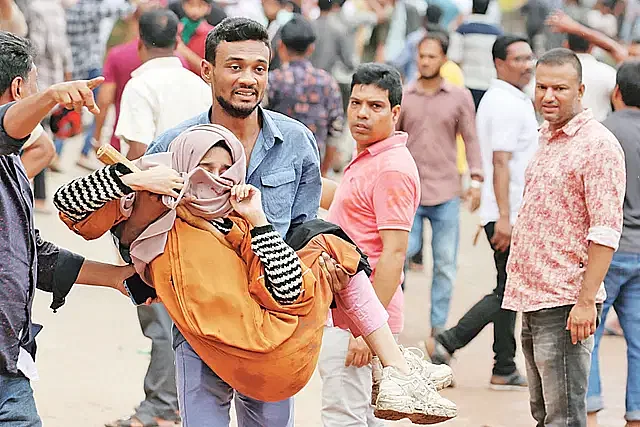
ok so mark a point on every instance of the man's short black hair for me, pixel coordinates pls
(434, 14)
(297, 35)
(480, 7)
(502, 43)
(158, 29)
(438, 36)
(16, 59)
(577, 43)
(628, 80)
(382, 76)
(327, 5)
(234, 30)
(562, 56)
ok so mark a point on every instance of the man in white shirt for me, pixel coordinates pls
(599, 78)
(160, 95)
(161, 92)
(508, 136)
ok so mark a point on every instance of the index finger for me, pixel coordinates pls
(574, 333)
(349, 360)
(95, 82)
(89, 101)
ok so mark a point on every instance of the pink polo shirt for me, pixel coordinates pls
(380, 190)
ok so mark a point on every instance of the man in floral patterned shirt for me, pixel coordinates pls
(567, 230)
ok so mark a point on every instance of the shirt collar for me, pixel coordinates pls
(571, 128)
(302, 63)
(156, 64)
(476, 17)
(398, 139)
(415, 88)
(586, 57)
(501, 84)
(270, 131)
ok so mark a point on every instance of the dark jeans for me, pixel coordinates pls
(557, 370)
(161, 395)
(477, 96)
(39, 186)
(17, 406)
(488, 310)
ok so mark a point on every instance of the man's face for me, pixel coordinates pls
(371, 118)
(271, 8)
(430, 59)
(239, 76)
(558, 93)
(634, 50)
(517, 68)
(196, 9)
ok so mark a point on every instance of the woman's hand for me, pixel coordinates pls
(159, 180)
(247, 202)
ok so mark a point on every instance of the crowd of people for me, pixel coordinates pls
(234, 122)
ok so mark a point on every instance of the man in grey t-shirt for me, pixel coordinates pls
(623, 278)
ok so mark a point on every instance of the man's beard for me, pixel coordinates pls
(233, 111)
(431, 77)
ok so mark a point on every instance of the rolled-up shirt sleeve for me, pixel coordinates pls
(58, 270)
(604, 180)
(9, 145)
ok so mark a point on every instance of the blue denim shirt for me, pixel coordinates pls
(284, 166)
(26, 261)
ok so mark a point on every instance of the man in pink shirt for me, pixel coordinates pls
(374, 204)
(567, 230)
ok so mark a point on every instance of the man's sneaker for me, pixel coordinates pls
(436, 351)
(514, 381)
(413, 397)
(440, 375)
(376, 376)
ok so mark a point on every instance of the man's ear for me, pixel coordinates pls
(395, 114)
(206, 71)
(16, 88)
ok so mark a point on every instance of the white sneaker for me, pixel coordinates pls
(413, 397)
(440, 375)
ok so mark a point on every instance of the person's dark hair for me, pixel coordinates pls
(234, 30)
(158, 29)
(480, 7)
(636, 40)
(16, 59)
(327, 5)
(382, 76)
(562, 56)
(502, 43)
(209, 2)
(440, 37)
(297, 35)
(225, 147)
(628, 80)
(434, 14)
(578, 43)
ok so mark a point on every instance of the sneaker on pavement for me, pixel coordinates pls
(413, 397)
(440, 375)
(436, 351)
(511, 382)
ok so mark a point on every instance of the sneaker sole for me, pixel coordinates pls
(416, 418)
(505, 387)
(443, 383)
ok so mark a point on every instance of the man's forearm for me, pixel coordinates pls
(96, 274)
(136, 149)
(23, 116)
(599, 258)
(501, 178)
(388, 274)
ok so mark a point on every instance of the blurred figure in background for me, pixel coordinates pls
(194, 30)
(305, 93)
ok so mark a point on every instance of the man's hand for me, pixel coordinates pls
(247, 202)
(359, 353)
(75, 94)
(159, 180)
(473, 198)
(560, 22)
(501, 234)
(121, 273)
(337, 277)
(582, 321)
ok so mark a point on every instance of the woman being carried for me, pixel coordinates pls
(251, 307)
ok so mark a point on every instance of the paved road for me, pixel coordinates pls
(92, 356)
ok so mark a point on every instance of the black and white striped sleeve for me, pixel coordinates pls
(82, 196)
(282, 270)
